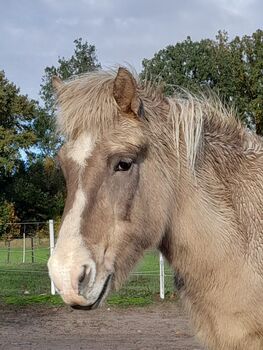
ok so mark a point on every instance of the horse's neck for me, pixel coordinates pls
(201, 232)
(204, 229)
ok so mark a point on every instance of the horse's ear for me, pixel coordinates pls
(125, 93)
(57, 83)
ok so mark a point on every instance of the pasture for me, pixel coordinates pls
(27, 283)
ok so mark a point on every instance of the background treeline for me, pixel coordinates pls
(32, 187)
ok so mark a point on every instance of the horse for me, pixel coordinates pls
(180, 174)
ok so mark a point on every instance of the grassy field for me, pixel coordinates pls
(39, 254)
(29, 282)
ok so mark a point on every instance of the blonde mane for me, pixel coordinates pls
(86, 103)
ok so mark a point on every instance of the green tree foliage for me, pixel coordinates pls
(232, 68)
(28, 190)
(47, 141)
(252, 50)
(17, 113)
(37, 189)
(8, 218)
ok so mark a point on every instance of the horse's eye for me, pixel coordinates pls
(123, 165)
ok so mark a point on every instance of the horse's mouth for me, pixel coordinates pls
(99, 299)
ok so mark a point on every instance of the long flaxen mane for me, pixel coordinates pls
(86, 103)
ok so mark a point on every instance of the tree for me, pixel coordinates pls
(38, 190)
(252, 51)
(17, 113)
(231, 68)
(8, 220)
(31, 188)
(83, 60)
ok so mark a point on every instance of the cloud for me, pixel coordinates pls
(35, 33)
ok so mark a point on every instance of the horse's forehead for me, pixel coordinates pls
(81, 149)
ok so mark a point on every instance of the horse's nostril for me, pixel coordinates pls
(84, 278)
(83, 274)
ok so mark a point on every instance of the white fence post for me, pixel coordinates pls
(24, 245)
(161, 276)
(52, 245)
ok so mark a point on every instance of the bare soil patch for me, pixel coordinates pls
(160, 326)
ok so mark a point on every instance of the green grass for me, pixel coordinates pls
(23, 279)
(55, 300)
(23, 284)
(40, 255)
(49, 300)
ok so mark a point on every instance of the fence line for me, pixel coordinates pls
(24, 223)
(29, 232)
(36, 250)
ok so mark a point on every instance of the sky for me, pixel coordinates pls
(34, 33)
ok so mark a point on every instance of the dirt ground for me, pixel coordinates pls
(161, 326)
